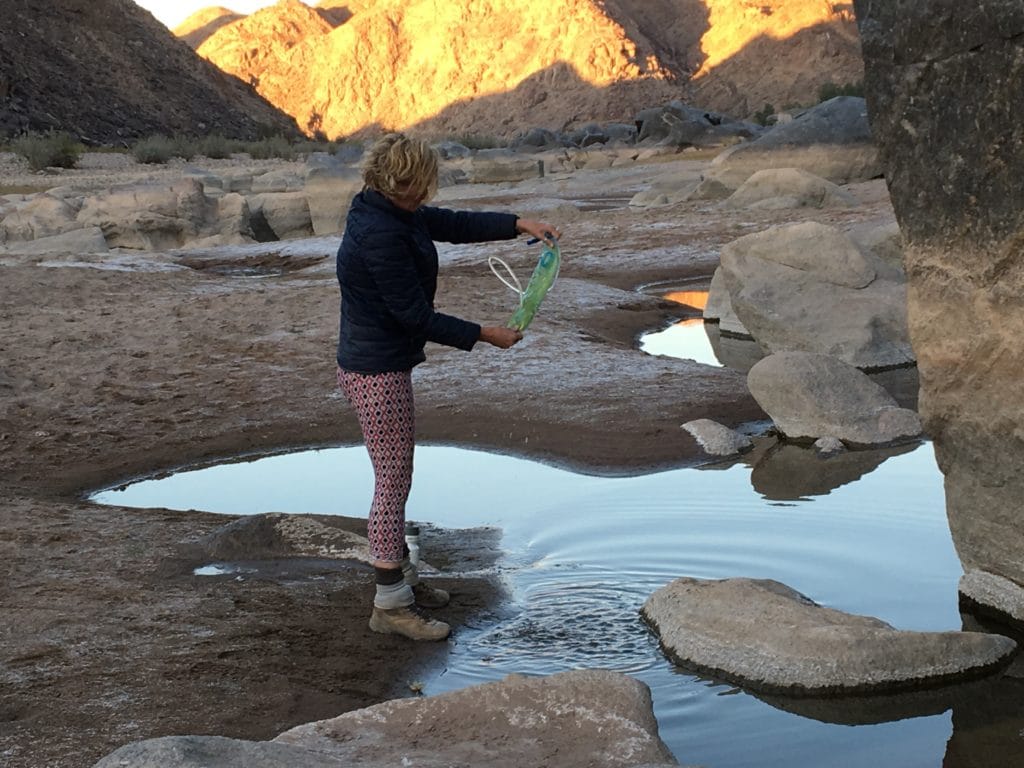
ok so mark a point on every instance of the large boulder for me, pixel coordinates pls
(777, 188)
(810, 396)
(719, 307)
(832, 140)
(766, 636)
(572, 720)
(286, 214)
(943, 82)
(808, 287)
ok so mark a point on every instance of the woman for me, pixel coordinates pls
(387, 270)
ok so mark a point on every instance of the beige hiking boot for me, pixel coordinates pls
(429, 597)
(407, 622)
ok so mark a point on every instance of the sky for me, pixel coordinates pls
(173, 12)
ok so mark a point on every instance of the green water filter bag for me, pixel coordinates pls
(541, 280)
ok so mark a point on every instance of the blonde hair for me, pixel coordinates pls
(397, 164)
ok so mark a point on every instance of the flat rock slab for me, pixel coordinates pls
(579, 718)
(764, 635)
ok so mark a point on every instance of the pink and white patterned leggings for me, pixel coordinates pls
(384, 406)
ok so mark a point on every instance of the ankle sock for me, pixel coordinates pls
(409, 573)
(392, 591)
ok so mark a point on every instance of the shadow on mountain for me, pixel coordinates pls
(674, 28)
(198, 36)
(334, 15)
(556, 98)
(784, 73)
(780, 72)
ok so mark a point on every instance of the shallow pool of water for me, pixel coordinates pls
(685, 339)
(584, 552)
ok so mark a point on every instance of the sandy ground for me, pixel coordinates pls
(127, 365)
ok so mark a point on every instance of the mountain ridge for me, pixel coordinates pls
(443, 67)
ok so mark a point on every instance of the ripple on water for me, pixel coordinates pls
(585, 624)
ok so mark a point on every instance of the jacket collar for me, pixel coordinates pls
(379, 202)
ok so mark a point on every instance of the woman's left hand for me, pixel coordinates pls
(538, 229)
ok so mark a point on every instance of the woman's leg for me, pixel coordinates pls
(384, 406)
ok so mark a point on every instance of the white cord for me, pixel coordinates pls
(515, 286)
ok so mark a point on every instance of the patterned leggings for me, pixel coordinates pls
(384, 406)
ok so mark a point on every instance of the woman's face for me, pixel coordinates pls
(406, 199)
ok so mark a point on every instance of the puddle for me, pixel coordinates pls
(687, 339)
(584, 552)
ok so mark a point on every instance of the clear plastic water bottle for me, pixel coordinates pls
(541, 280)
(412, 540)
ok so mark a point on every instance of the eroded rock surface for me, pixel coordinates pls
(569, 720)
(810, 396)
(943, 84)
(766, 635)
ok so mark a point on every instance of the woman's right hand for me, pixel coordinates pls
(500, 336)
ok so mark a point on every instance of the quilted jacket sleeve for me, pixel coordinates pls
(468, 226)
(389, 261)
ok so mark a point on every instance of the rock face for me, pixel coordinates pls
(810, 396)
(764, 635)
(108, 71)
(570, 720)
(461, 66)
(943, 84)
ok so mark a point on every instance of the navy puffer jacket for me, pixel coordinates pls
(387, 270)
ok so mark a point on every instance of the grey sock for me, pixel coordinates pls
(393, 596)
(409, 573)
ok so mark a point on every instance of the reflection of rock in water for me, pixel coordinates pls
(790, 472)
(869, 710)
(988, 724)
(734, 352)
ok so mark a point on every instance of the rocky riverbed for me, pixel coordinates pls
(130, 363)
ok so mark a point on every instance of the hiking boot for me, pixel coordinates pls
(407, 622)
(428, 596)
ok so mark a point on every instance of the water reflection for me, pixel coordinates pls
(584, 552)
(685, 340)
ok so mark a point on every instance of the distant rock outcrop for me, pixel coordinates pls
(347, 67)
(200, 25)
(107, 71)
(247, 48)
